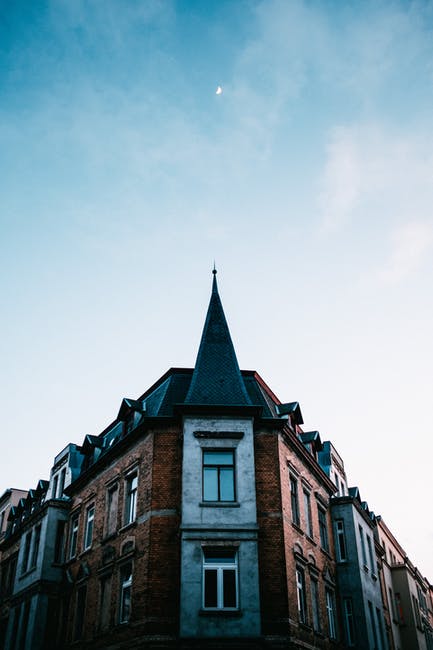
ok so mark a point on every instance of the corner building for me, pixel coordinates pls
(200, 517)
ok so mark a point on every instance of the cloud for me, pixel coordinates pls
(410, 245)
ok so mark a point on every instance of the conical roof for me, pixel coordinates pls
(217, 379)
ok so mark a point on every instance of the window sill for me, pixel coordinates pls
(297, 528)
(326, 553)
(310, 539)
(131, 524)
(219, 504)
(27, 573)
(223, 613)
(374, 577)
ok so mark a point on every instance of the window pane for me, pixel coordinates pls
(220, 556)
(229, 588)
(218, 458)
(210, 588)
(210, 484)
(126, 604)
(227, 487)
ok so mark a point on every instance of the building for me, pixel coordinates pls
(32, 570)
(203, 516)
(407, 596)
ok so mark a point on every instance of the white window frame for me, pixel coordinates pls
(301, 595)
(131, 497)
(220, 567)
(125, 587)
(330, 611)
(88, 531)
(73, 538)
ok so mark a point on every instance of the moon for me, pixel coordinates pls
(219, 91)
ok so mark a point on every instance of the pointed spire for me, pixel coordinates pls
(216, 378)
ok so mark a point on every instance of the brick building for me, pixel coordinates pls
(201, 517)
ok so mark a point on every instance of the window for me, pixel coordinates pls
(315, 607)
(112, 507)
(125, 593)
(8, 572)
(300, 590)
(348, 621)
(36, 543)
(370, 555)
(330, 610)
(379, 628)
(323, 528)
(364, 554)
(80, 612)
(220, 579)
(59, 547)
(62, 482)
(24, 625)
(55, 483)
(27, 544)
(2, 520)
(308, 519)
(90, 516)
(399, 607)
(74, 536)
(341, 541)
(416, 610)
(105, 601)
(392, 604)
(294, 500)
(131, 498)
(218, 476)
(372, 625)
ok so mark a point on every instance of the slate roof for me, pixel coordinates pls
(217, 379)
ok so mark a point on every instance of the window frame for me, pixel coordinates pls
(323, 528)
(330, 612)
(315, 605)
(349, 621)
(301, 595)
(130, 508)
(308, 514)
(89, 527)
(112, 511)
(73, 535)
(294, 499)
(220, 567)
(35, 546)
(80, 612)
(124, 590)
(219, 467)
(363, 549)
(340, 536)
(26, 551)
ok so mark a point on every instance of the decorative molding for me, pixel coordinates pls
(219, 435)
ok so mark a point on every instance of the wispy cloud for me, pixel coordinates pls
(410, 245)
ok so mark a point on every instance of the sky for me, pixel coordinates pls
(308, 179)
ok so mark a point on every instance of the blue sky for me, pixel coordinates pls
(309, 180)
